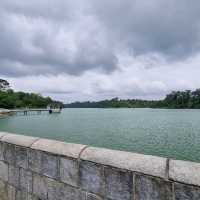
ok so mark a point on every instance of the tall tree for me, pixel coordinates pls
(4, 85)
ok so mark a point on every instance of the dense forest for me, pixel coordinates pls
(176, 99)
(10, 99)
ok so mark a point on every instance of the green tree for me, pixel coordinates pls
(10, 99)
(4, 85)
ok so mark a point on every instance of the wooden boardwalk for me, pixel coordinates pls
(34, 110)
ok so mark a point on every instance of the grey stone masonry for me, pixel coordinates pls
(92, 177)
(42, 169)
(151, 165)
(57, 147)
(185, 172)
(69, 171)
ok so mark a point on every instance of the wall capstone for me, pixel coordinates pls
(185, 172)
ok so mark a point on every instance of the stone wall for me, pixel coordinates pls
(41, 169)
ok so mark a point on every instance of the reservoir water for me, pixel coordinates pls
(162, 132)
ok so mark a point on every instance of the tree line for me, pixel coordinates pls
(176, 99)
(10, 99)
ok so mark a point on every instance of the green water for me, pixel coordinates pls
(168, 133)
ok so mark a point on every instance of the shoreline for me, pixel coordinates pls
(4, 114)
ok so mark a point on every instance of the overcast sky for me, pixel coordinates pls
(96, 49)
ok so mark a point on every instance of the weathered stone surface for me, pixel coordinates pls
(11, 192)
(69, 171)
(1, 151)
(3, 171)
(21, 157)
(152, 188)
(35, 161)
(43, 163)
(40, 186)
(22, 195)
(57, 147)
(26, 180)
(3, 191)
(51, 171)
(2, 134)
(119, 184)
(31, 197)
(60, 191)
(93, 197)
(9, 153)
(21, 140)
(185, 192)
(91, 177)
(185, 172)
(50, 165)
(13, 176)
(146, 164)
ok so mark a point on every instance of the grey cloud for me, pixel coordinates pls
(164, 26)
(53, 37)
(48, 9)
(44, 51)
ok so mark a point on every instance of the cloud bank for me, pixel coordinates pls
(75, 50)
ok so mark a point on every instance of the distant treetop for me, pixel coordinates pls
(4, 85)
(176, 99)
(10, 99)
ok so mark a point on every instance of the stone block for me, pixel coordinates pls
(59, 148)
(91, 177)
(9, 153)
(26, 180)
(40, 186)
(3, 171)
(11, 192)
(21, 140)
(3, 191)
(61, 191)
(22, 195)
(119, 184)
(146, 164)
(152, 188)
(43, 163)
(50, 166)
(21, 157)
(69, 171)
(186, 192)
(13, 176)
(185, 172)
(1, 151)
(35, 161)
(93, 197)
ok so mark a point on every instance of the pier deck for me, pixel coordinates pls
(36, 110)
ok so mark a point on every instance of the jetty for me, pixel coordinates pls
(36, 111)
(30, 111)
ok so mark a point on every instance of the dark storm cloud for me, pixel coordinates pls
(53, 37)
(164, 26)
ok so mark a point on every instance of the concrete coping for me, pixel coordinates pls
(146, 164)
(3, 134)
(57, 147)
(21, 140)
(185, 172)
(176, 170)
